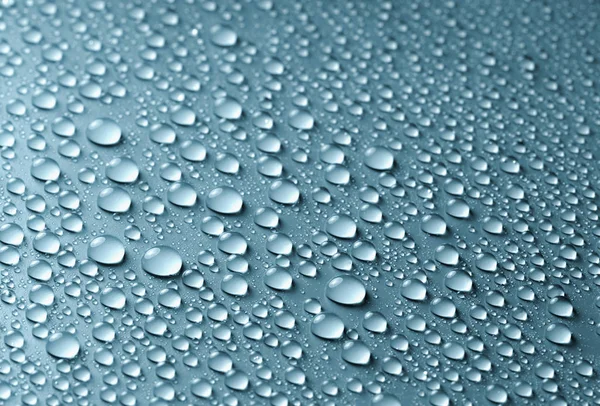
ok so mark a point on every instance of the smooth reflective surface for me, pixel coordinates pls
(299, 203)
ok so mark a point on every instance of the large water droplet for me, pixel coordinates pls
(346, 290)
(162, 261)
(224, 200)
(104, 131)
(63, 345)
(107, 250)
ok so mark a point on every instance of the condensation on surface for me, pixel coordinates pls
(299, 202)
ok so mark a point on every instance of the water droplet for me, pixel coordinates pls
(223, 36)
(224, 200)
(346, 290)
(162, 261)
(63, 345)
(327, 326)
(104, 131)
(106, 250)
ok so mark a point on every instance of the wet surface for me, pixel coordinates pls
(297, 203)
